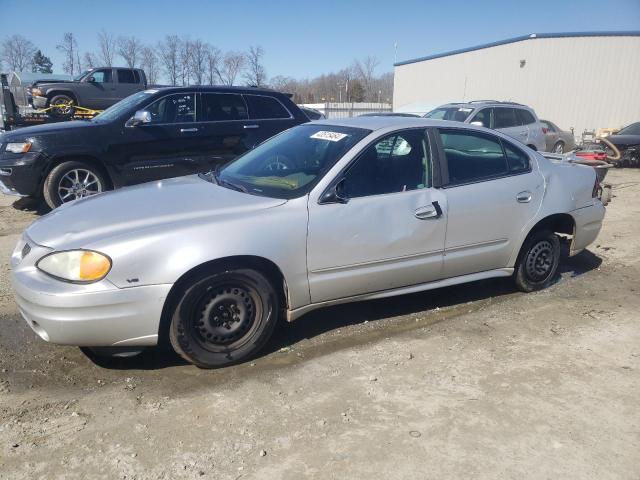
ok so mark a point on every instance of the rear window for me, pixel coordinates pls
(263, 107)
(126, 76)
(517, 160)
(218, 107)
(456, 114)
(505, 117)
(525, 117)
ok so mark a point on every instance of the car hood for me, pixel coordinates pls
(167, 204)
(624, 140)
(78, 126)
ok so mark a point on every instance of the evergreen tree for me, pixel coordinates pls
(41, 63)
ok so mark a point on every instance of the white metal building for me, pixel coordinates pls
(586, 80)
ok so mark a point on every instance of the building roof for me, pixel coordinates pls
(532, 36)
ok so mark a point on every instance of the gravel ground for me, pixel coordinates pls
(476, 381)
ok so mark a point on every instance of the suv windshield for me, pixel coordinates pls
(457, 114)
(290, 164)
(79, 77)
(114, 111)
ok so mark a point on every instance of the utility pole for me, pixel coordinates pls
(395, 53)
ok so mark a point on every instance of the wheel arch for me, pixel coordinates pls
(77, 157)
(562, 223)
(532, 147)
(261, 264)
(57, 91)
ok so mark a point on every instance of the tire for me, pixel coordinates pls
(224, 318)
(558, 148)
(60, 185)
(62, 112)
(538, 261)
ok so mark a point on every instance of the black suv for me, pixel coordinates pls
(148, 136)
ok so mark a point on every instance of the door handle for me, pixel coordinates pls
(188, 130)
(524, 197)
(251, 126)
(432, 211)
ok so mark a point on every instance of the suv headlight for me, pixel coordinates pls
(81, 266)
(37, 92)
(18, 147)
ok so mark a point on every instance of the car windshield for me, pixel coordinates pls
(290, 164)
(78, 77)
(633, 129)
(457, 114)
(129, 103)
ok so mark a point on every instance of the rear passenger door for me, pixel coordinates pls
(493, 191)
(268, 117)
(225, 127)
(128, 83)
(507, 121)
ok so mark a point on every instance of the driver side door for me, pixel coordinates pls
(98, 89)
(388, 230)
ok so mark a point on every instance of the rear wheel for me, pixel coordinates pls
(538, 262)
(558, 148)
(224, 318)
(72, 180)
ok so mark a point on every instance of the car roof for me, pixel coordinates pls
(388, 121)
(484, 103)
(221, 89)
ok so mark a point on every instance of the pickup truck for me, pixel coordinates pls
(96, 88)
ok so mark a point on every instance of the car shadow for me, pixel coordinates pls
(29, 204)
(324, 320)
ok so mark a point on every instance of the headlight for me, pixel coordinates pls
(19, 147)
(37, 92)
(83, 266)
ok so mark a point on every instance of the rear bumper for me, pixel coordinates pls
(588, 222)
(98, 314)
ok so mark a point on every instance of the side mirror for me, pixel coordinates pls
(139, 118)
(91, 79)
(335, 194)
(477, 124)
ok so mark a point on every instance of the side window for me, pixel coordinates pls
(218, 107)
(262, 107)
(102, 76)
(517, 160)
(178, 108)
(396, 163)
(126, 76)
(483, 116)
(472, 156)
(525, 117)
(505, 117)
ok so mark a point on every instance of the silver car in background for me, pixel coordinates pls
(324, 213)
(513, 119)
(557, 140)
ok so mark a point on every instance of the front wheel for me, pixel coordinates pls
(224, 318)
(62, 106)
(538, 262)
(72, 180)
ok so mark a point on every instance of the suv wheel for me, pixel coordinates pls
(558, 148)
(538, 262)
(224, 318)
(72, 180)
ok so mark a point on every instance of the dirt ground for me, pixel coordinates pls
(475, 381)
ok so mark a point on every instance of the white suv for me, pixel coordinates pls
(513, 119)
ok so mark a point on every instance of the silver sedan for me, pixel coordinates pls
(324, 213)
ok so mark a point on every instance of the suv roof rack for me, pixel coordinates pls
(496, 101)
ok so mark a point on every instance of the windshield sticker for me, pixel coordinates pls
(331, 136)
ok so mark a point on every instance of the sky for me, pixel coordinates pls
(303, 39)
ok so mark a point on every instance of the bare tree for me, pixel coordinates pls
(18, 53)
(69, 48)
(149, 63)
(107, 43)
(184, 61)
(90, 60)
(364, 71)
(232, 65)
(168, 52)
(214, 59)
(198, 59)
(255, 73)
(130, 49)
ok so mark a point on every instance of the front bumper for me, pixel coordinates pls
(39, 102)
(21, 174)
(90, 315)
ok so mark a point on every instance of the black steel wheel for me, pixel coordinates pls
(538, 261)
(224, 318)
